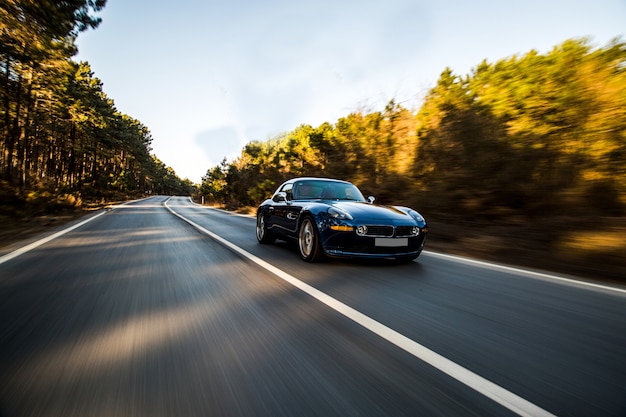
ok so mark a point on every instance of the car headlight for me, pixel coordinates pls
(418, 217)
(337, 213)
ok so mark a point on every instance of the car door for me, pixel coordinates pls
(285, 212)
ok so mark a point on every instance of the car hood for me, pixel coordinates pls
(366, 211)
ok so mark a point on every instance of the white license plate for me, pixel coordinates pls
(390, 242)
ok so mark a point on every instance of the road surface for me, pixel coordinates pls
(161, 307)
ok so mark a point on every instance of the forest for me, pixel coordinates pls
(62, 140)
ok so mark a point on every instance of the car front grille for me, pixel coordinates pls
(404, 231)
(379, 231)
(384, 231)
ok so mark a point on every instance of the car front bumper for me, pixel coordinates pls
(366, 247)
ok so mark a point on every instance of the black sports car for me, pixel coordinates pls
(331, 218)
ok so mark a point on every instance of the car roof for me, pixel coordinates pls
(316, 179)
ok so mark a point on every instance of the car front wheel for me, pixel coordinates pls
(308, 241)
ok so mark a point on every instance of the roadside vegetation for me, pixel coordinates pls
(63, 144)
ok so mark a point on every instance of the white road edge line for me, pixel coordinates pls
(60, 233)
(525, 272)
(47, 239)
(489, 389)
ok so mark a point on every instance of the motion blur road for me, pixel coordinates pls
(138, 312)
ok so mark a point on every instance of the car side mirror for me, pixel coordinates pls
(281, 196)
(371, 199)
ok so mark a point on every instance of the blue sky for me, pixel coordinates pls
(207, 76)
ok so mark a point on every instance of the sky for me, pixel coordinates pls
(207, 77)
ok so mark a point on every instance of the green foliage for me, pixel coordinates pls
(59, 132)
(532, 135)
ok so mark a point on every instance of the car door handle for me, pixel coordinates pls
(292, 216)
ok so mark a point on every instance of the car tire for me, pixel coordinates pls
(262, 234)
(309, 242)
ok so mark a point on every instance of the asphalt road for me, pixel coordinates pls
(140, 312)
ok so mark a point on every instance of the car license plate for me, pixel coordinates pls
(390, 242)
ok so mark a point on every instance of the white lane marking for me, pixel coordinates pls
(60, 233)
(47, 239)
(524, 272)
(489, 389)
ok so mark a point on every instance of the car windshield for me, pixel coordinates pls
(326, 190)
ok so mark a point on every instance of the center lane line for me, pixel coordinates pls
(487, 388)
